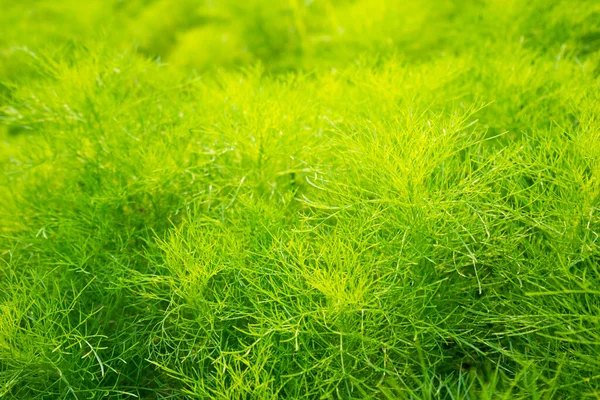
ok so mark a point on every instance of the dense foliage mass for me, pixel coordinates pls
(300, 199)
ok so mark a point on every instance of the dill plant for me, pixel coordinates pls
(318, 199)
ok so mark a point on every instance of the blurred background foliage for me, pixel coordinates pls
(293, 34)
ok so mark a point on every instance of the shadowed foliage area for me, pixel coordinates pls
(354, 199)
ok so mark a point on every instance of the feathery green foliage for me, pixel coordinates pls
(369, 199)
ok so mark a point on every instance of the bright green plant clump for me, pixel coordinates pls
(321, 199)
